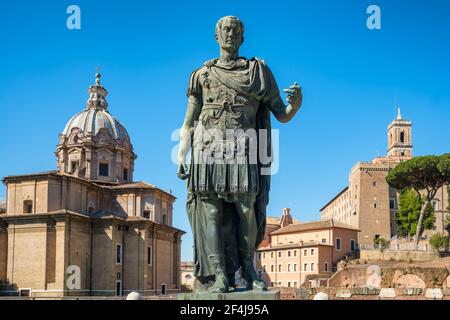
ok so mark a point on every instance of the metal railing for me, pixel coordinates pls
(398, 247)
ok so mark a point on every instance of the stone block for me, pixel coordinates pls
(387, 293)
(434, 294)
(343, 294)
(321, 296)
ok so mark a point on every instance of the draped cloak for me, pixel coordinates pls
(263, 88)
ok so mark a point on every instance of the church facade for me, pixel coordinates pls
(87, 228)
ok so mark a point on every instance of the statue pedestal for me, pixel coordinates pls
(236, 295)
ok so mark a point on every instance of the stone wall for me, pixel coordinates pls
(398, 255)
(405, 277)
(3, 251)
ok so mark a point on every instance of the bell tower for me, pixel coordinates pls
(399, 139)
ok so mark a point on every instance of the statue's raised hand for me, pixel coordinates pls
(294, 95)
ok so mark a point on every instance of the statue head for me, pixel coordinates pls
(229, 33)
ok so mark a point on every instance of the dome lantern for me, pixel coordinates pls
(97, 95)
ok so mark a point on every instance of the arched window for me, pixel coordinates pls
(147, 214)
(91, 209)
(402, 137)
(164, 220)
(28, 206)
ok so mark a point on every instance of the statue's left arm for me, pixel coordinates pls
(284, 113)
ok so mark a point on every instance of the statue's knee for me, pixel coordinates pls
(213, 214)
(246, 211)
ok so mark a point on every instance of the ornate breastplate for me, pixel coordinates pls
(224, 108)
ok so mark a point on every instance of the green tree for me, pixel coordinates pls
(408, 214)
(427, 174)
(439, 241)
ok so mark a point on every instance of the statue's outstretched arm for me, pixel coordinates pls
(186, 134)
(286, 113)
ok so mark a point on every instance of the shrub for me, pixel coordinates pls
(381, 243)
(439, 241)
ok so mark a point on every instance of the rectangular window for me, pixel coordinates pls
(149, 255)
(326, 266)
(73, 166)
(103, 169)
(324, 240)
(147, 214)
(289, 283)
(338, 243)
(295, 253)
(279, 254)
(435, 205)
(125, 174)
(271, 255)
(119, 253)
(305, 252)
(295, 267)
(289, 253)
(271, 268)
(118, 287)
(305, 267)
(259, 256)
(374, 205)
(28, 206)
(295, 284)
(289, 268)
(312, 252)
(264, 255)
(279, 268)
(352, 245)
(374, 183)
(391, 204)
(312, 266)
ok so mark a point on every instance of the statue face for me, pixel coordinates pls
(229, 35)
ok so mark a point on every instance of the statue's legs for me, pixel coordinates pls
(247, 232)
(213, 211)
(229, 229)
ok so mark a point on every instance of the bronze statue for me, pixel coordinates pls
(227, 125)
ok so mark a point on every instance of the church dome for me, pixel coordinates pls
(94, 145)
(91, 121)
(96, 117)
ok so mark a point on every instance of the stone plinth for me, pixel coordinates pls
(237, 295)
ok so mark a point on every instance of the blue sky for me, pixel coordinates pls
(350, 77)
